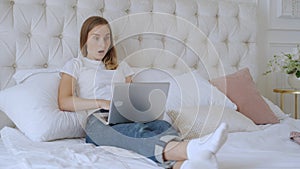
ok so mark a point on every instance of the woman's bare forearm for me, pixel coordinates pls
(74, 103)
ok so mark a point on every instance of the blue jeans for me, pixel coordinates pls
(148, 139)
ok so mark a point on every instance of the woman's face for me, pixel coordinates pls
(98, 42)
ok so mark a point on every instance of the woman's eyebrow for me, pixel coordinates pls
(98, 34)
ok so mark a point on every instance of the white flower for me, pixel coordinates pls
(288, 63)
(296, 53)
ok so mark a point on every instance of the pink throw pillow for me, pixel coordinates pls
(240, 88)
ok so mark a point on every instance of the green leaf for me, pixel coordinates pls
(297, 74)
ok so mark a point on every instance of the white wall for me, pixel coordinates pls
(277, 33)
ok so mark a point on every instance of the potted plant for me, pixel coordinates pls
(288, 63)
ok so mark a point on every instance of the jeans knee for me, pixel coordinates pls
(164, 123)
(89, 123)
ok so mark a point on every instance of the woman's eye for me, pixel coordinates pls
(107, 38)
(96, 38)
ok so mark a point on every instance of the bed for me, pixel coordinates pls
(192, 44)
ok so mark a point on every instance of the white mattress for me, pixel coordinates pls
(269, 148)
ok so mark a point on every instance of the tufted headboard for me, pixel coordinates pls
(215, 37)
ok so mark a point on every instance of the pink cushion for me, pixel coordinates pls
(241, 89)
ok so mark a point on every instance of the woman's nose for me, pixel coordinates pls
(101, 42)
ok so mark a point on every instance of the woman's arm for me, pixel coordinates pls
(67, 101)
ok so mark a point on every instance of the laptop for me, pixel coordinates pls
(135, 102)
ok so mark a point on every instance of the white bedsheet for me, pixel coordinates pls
(7, 161)
(269, 148)
(69, 154)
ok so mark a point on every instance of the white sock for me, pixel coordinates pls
(187, 164)
(212, 143)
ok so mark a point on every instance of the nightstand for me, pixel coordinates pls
(288, 91)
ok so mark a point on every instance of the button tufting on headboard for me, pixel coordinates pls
(218, 34)
(45, 65)
(28, 35)
(60, 36)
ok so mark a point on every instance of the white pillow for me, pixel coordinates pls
(194, 122)
(186, 90)
(150, 75)
(276, 110)
(196, 90)
(190, 89)
(32, 106)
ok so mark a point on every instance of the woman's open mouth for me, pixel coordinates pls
(101, 51)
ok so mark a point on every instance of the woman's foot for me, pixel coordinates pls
(295, 136)
(211, 143)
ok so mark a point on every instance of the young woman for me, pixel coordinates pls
(85, 86)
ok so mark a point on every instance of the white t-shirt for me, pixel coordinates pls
(94, 81)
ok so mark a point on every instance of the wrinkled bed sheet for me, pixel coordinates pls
(269, 148)
(69, 154)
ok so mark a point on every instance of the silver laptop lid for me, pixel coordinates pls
(138, 101)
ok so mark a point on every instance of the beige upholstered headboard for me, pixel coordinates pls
(216, 37)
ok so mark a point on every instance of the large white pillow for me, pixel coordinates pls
(194, 122)
(186, 90)
(276, 110)
(32, 106)
(195, 90)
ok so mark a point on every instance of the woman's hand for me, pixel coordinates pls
(104, 104)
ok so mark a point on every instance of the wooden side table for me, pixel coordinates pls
(288, 91)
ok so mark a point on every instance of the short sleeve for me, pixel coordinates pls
(71, 68)
(125, 69)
